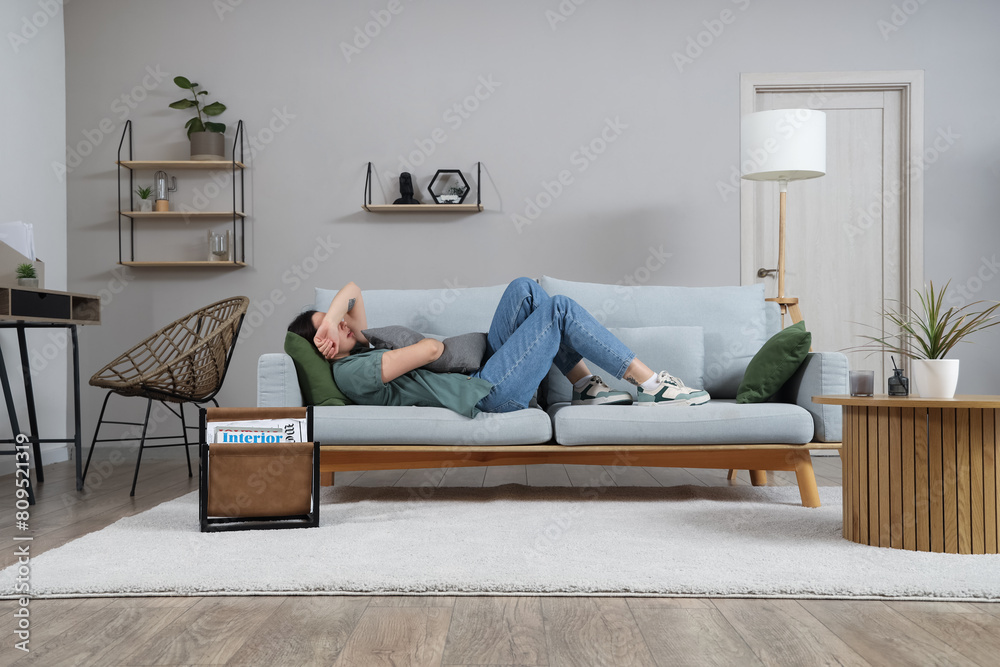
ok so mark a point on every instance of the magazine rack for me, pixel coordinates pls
(252, 486)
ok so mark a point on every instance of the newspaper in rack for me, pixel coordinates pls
(262, 431)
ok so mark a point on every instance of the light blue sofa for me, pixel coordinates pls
(706, 336)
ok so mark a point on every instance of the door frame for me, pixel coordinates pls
(910, 85)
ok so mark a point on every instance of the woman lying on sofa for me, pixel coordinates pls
(530, 331)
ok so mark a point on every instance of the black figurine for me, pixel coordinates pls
(405, 190)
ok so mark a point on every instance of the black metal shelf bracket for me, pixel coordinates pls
(366, 199)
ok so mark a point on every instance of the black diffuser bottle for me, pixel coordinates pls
(899, 384)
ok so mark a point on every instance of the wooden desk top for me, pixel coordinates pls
(884, 401)
(30, 304)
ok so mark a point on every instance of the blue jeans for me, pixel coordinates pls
(531, 331)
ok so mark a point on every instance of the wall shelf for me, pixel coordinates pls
(201, 215)
(366, 202)
(199, 264)
(423, 208)
(155, 165)
(128, 216)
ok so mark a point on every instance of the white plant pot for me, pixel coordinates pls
(935, 378)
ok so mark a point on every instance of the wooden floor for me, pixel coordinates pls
(456, 631)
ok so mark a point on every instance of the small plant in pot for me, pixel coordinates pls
(207, 137)
(145, 198)
(928, 334)
(26, 276)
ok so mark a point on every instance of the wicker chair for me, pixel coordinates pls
(185, 362)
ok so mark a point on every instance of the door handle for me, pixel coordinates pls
(764, 273)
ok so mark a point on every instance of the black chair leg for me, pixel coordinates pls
(97, 430)
(187, 445)
(142, 443)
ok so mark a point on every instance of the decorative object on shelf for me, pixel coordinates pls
(26, 276)
(405, 190)
(163, 190)
(145, 203)
(783, 145)
(448, 187)
(899, 384)
(417, 207)
(927, 335)
(220, 246)
(862, 383)
(207, 137)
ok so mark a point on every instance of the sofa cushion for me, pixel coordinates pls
(314, 373)
(734, 319)
(451, 311)
(680, 350)
(717, 422)
(375, 424)
(774, 364)
(462, 354)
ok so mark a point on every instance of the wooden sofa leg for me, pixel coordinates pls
(732, 474)
(758, 477)
(806, 479)
(326, 479)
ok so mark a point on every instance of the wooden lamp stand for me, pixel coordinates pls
(789, 304)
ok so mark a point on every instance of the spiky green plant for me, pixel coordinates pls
(931, 332)
(144, 192)
(25, 271)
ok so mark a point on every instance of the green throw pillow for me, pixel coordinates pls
(314, 373)
(774, 364)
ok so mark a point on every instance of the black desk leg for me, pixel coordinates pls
(29, 397)
(12, 413)
(76, 409)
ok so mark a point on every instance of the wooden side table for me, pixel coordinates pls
(921, 473)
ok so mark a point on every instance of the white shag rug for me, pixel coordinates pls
(677, 541)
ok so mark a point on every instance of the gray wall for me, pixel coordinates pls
(557, 86)
(32, 66)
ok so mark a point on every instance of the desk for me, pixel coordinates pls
(23, 308)
(921, 473)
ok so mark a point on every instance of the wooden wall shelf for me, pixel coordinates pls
(201, 215)
(193, 263)
(423, 208)
(180, 164)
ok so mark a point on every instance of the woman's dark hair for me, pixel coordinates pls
(303, 325)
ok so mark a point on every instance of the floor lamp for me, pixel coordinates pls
(783, 145)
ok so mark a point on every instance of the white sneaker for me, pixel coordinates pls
(671, 391)
(598, 393)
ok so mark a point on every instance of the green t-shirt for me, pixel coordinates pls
(360, 377)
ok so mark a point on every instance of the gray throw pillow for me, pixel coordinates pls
(462, 354)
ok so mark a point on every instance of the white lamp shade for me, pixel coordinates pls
(783, 145)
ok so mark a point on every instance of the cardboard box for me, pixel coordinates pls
(9, 259)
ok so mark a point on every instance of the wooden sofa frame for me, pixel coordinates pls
(758, 459)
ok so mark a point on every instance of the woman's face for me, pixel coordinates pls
(346, 340)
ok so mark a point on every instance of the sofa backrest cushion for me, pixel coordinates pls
(681, 350)
(734, 320)
(444, 312)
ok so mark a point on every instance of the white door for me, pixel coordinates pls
(853, 237)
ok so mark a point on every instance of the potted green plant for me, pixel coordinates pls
(145, 198)
(928, 333)
(26, 276)
(207, 137)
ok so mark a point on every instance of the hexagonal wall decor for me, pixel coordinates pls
(448, 187)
